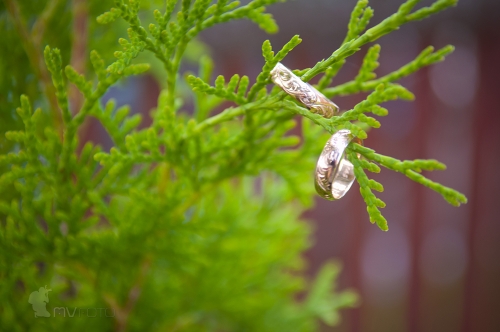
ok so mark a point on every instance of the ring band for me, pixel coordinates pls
(334, 173)
(315, 101)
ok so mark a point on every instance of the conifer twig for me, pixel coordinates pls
(33, 51)
(390, 24)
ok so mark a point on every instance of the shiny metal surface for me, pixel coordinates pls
(315, 101)
(334, 174)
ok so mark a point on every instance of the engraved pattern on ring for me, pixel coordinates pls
(303, 92)
(334, 174)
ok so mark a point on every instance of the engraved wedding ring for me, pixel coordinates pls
(334, 173)
(315, 101)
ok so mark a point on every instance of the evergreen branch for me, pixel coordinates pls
(112, 123)
(228, 13)
(330, 73)
(370, 63)
(411, 168)
(382, 93)
(365, 187)
(190, 21)
(270, 62)
(452, 196)
(232, 113)
(316, 118)
(265, 21)
(434, 8)
(33, 51)
(121, 67)
(228, 92)
(98, 64)
(165, 186)
(204, 103)
(360, 17)
(320, 300)
(79, 81)
(393, 22)
(425, 58)
(54, 65)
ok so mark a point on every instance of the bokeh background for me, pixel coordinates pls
(438, 268)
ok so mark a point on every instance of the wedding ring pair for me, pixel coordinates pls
(334, 173)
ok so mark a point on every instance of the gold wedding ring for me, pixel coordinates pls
(334, 173)
(315, 101)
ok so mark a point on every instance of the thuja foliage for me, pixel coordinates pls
(192, 223)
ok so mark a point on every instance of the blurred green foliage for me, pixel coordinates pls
(190, 224)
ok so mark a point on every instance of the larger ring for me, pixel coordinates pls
(303, 92)
(334, 173)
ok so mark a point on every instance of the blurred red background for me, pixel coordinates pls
(438, 268)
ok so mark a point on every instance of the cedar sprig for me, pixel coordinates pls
(412, 168)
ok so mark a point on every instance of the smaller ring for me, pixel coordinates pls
(334, 173)
(315, 101)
